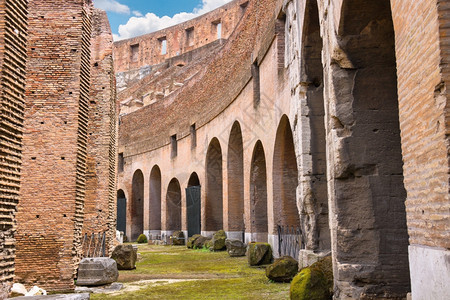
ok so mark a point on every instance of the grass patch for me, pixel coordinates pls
(217, 276)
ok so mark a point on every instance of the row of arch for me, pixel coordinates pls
(285, 183)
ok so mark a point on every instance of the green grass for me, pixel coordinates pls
(213, 275)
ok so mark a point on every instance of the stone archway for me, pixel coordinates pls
(285, 178)
(173, 206)
(193, 205)
(137, 205)
(155, 202)
(213, 218)
(235, 166)
(258, 196)
(121, 217)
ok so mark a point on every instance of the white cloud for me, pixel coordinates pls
(139, 25)
(137, 13)
(112, 6)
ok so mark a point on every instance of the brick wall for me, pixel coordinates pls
(146, 50)
(100, 204)
(13, 38)
(423, 118)
(50, 212)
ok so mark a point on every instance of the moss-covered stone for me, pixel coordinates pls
(200, 242)
(218, 241)
(191, 241)
(259, 254)
(142, 239)
(314, 282)
(208, 244)
(283, 269)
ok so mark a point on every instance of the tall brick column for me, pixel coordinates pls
(13, 39)
(50, 212)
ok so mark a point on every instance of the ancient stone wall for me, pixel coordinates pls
(100, 202)
(13, 39)
(146, 50)
(50, 213)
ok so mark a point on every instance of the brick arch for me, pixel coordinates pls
(367, 191)
(214, 188)
(173, 206)
(285, 177)
(313, 202)
(155, 200)
(235, 167)
(137, 205)
(258, 195)
(121, 211)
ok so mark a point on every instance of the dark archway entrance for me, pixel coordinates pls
(121, 224)
(173, 206)
(235, 176)
(193, 205)
(155, 202)
(258, 195)
(137, 205)
(214, 188)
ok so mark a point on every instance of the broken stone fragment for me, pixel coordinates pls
(97, 271)
(125, 257)
(191, 241)
(259, 254)
(178, 238)
(283, 269)
(218, 241)
(235, 248)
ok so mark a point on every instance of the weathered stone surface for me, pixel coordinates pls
(178, 238)
(235, 248)
(218, 241)
(125, 257)
(200, 242)
(283, 269)
(259, 254)
(314, 282)
(97, 271)
(19, 288)
(191, 240)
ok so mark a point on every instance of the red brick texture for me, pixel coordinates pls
(13, 38)
(100, 202)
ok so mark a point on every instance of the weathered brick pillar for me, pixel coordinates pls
(13, 39)
(100, 203)
(50, 213)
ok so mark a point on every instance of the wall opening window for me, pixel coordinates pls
(120, 163)
(190, 36)
(193, 136)
(163, 42)
(217, 28)
(134, 52)
(173, 142)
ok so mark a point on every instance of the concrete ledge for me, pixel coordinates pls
(430, 273)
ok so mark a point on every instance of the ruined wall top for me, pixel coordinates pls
(154, 48)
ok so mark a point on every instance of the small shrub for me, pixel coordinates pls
(142, 239)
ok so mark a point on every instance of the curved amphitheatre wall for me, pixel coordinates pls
(263, 74)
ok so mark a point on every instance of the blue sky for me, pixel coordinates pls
(129, 18)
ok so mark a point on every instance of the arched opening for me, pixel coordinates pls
(173, 206)
(121, 223)
(137, 205)
(368, 196)
(258, 195)
(193, 205)
(285, 178)
(314, 194)
(155, 202)
(235, 165)
(214, 188)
